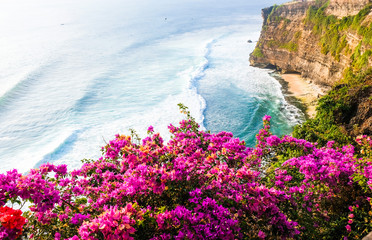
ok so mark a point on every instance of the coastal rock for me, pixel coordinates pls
(293, 41)
(289, 43)
(368, 237)
(343, 8)
(359, 120)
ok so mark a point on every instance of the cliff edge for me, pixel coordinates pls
(329, 43)
(292, 38)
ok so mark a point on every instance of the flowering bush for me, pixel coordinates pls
(197, 186)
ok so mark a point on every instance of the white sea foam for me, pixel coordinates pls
(80, 72)
(160, 116)
(238, 95)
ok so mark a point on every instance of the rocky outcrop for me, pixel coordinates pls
(343, 8)
(368, 237)
(324, 41)
(289, 43)
(357, 119)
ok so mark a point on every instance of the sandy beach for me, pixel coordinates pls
(308, 93)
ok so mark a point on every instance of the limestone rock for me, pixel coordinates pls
(368, 237)
(289, 43)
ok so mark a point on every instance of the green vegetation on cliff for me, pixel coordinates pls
(257, 52)
(336, 109)
(333, 33)
(274, 18)
(290, 44)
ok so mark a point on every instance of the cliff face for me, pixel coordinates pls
(288, 41)
(327, 42)
(342, 8)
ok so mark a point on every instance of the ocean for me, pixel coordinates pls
(75, 73)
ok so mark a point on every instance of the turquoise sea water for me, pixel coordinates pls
(75, 73)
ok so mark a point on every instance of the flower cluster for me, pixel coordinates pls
(366, 145)
(198, 185)
(11, 223)
(113, 224)
(206, 220)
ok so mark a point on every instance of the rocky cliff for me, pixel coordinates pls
(325, 41)
(290, 42)
(343, 8)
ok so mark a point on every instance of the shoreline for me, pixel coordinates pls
(300, 92)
